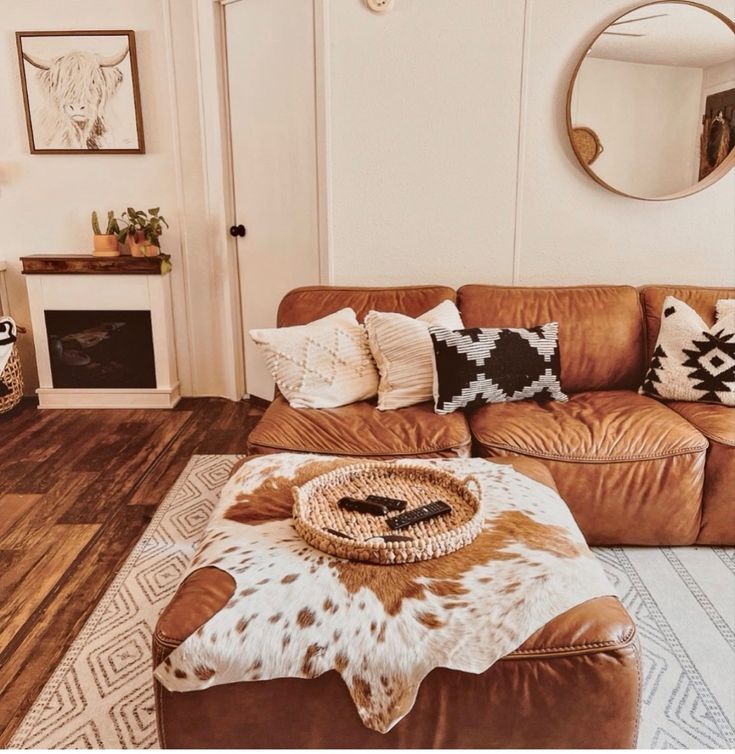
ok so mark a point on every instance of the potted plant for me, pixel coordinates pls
(142, 231)
(105, 244)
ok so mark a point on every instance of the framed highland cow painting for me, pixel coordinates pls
(81, 92)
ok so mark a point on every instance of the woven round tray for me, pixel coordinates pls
(315, 510)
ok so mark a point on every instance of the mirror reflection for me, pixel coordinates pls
(652, 105)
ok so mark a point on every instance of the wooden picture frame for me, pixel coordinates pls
(81, 91)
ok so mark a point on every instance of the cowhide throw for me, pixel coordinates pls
(297, 612)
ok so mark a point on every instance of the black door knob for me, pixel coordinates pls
(237, 230)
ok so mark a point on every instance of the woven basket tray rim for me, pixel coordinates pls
(453, 539)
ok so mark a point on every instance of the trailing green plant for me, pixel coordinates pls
(150, 224)
(113, 227)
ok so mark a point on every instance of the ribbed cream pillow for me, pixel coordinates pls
(324, 364)
(404, 353)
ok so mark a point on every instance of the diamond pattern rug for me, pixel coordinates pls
(101, 696)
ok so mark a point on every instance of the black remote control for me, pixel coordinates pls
(391, 503)
(362, 506)
(430, 510)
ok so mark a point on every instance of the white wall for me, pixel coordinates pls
(718, 78)
(451, 162)
(46, 200)
(648, 120)
(424, 124)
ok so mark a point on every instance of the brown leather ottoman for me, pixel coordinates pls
(575, 683)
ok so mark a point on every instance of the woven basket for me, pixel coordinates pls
(13, 378)
(587, 144)
(315, 510)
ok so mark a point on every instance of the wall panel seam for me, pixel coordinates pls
(520, 143)
(323, 114)
(183, 359)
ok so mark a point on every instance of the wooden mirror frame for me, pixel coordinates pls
(724, 167)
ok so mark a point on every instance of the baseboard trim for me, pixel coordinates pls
(112, 398)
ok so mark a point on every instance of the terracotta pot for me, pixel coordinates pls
(105, 246)
(139, 247)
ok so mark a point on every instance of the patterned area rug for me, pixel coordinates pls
(100, 695)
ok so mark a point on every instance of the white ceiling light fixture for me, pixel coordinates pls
(379, 6)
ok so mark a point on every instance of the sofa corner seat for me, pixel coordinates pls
(630, 469)
(361, 430)
(715, 422)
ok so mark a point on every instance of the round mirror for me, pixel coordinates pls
(651, 105)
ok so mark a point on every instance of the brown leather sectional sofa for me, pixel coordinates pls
(632, 469)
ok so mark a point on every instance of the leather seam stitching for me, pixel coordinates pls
(167, 641)
(577, 647)
(159, 715)
(593, 459)
(718, 439)
(411, 452)
(639, 689)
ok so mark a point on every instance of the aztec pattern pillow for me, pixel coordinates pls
(324, 364)
(404, 353)
(691, 361)
(495, 365)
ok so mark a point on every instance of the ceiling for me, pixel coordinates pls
(685, 36)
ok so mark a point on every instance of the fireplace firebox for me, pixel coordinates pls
(101, 349)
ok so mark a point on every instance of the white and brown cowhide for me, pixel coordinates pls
(297, 612)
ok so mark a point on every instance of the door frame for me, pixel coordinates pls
(211, 52)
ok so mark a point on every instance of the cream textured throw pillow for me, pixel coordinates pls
(693, 362)
(404, 353)
(725, 307)
(324, 364)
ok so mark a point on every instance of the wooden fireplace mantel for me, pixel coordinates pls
(86, 264)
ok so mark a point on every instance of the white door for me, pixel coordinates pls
(270, 67)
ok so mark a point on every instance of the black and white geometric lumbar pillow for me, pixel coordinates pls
(495, 365)
(693, 362)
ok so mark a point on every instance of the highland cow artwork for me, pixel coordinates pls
(81, 91)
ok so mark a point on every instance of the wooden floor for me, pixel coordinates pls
(77, 489)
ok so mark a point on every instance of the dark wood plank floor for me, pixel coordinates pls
(77, 489)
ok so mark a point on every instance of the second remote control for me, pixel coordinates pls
(430, 510)
(362, 506)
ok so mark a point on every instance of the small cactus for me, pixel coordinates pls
(112, 226)
(112, 229)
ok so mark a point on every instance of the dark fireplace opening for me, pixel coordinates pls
(101, 349)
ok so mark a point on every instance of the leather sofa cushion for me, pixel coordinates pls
(600, 328)
(624, 463)
(702, 300)
(717, 424)
(304, 305)
(360, 430)
(597, 427)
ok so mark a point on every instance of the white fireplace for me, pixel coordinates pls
(103, 332)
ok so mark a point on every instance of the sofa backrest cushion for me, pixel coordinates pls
(702, 300)
(304, 305)
(601, 339)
